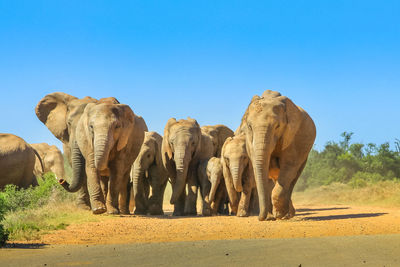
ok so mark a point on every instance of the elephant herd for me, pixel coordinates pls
(118, 166)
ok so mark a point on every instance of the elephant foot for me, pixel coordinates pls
(99, 210)
(178, 213)
(124, 211)
(113, 211)
(83, 206)
(242, 213)
(140, 212)
(270, 217)
(206, 212)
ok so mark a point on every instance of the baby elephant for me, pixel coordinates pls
(148, 171)
(52, 158)
(212, 187)
(239, 177)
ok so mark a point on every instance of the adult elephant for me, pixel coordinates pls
(183, 147)
(52, 158)
(148, 171)
(276, 129)
(109, 140)
(60, 112)
(17, 161)
(218, 134)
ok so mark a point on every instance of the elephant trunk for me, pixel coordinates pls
(182, 163)
(137, 175)
(236, 177)
(102, 145)
(261, 167)
(78, 170)
(213, 190)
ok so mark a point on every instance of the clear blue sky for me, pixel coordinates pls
(339, 60)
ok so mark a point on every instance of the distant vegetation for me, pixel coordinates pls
(354, 164)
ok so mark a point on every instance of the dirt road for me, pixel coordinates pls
(329, 235)
(310, 221)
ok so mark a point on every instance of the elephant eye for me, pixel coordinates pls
(249, 126)
(117, 126)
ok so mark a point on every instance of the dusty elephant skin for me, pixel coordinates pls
(52, 159)
(276, 130)
(183, 147)
(239, 177)
(117, 133)
(212, 187)
(60, 112)
(148, 171)
(17, 161)
(109, 141)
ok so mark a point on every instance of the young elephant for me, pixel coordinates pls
(218, 134)
(238, 175)
(183, 147)
(148, 171)
(17, 161)
(212, 186)
(52, 159)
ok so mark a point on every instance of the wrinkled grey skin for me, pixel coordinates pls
(212, 185)
(60, 112)
(109, 140)
(183, 147)
(148, 171)
(17, 161)
(52, 158)
(276, 130)
(238, 175)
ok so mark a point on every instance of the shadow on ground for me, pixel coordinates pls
(323, 209)
(25, 246)
(343, 216)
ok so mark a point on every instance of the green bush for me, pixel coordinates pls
(18, 199)
(355, 164)
(3, 232)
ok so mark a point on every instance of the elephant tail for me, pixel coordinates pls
(40, 159)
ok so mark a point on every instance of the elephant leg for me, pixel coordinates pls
(141, 198)
(292, 210)
(206, 207)
(112, 196)
(281, 194)
(83, 200)
(243, 210)
(217, 207)
(94, 188)
(104, 185)
(191, 200)
(254, 208)
(179, 206)
(123, 194)
(270, 187)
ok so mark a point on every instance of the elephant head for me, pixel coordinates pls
(52, 158)
(149, 160)
(214, 174)
(270, 124)
(181, 143)
(104, 129)
(218, 134)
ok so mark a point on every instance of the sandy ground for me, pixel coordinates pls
(317, 236)
(310, 221)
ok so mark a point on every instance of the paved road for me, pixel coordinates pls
(378, 250)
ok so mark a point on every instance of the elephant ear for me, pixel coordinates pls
(294, 117)
(166, 151)
(158, 144)
(223, 133)
(128, 124)
(52, 111)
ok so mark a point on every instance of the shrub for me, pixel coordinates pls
(3, 232)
